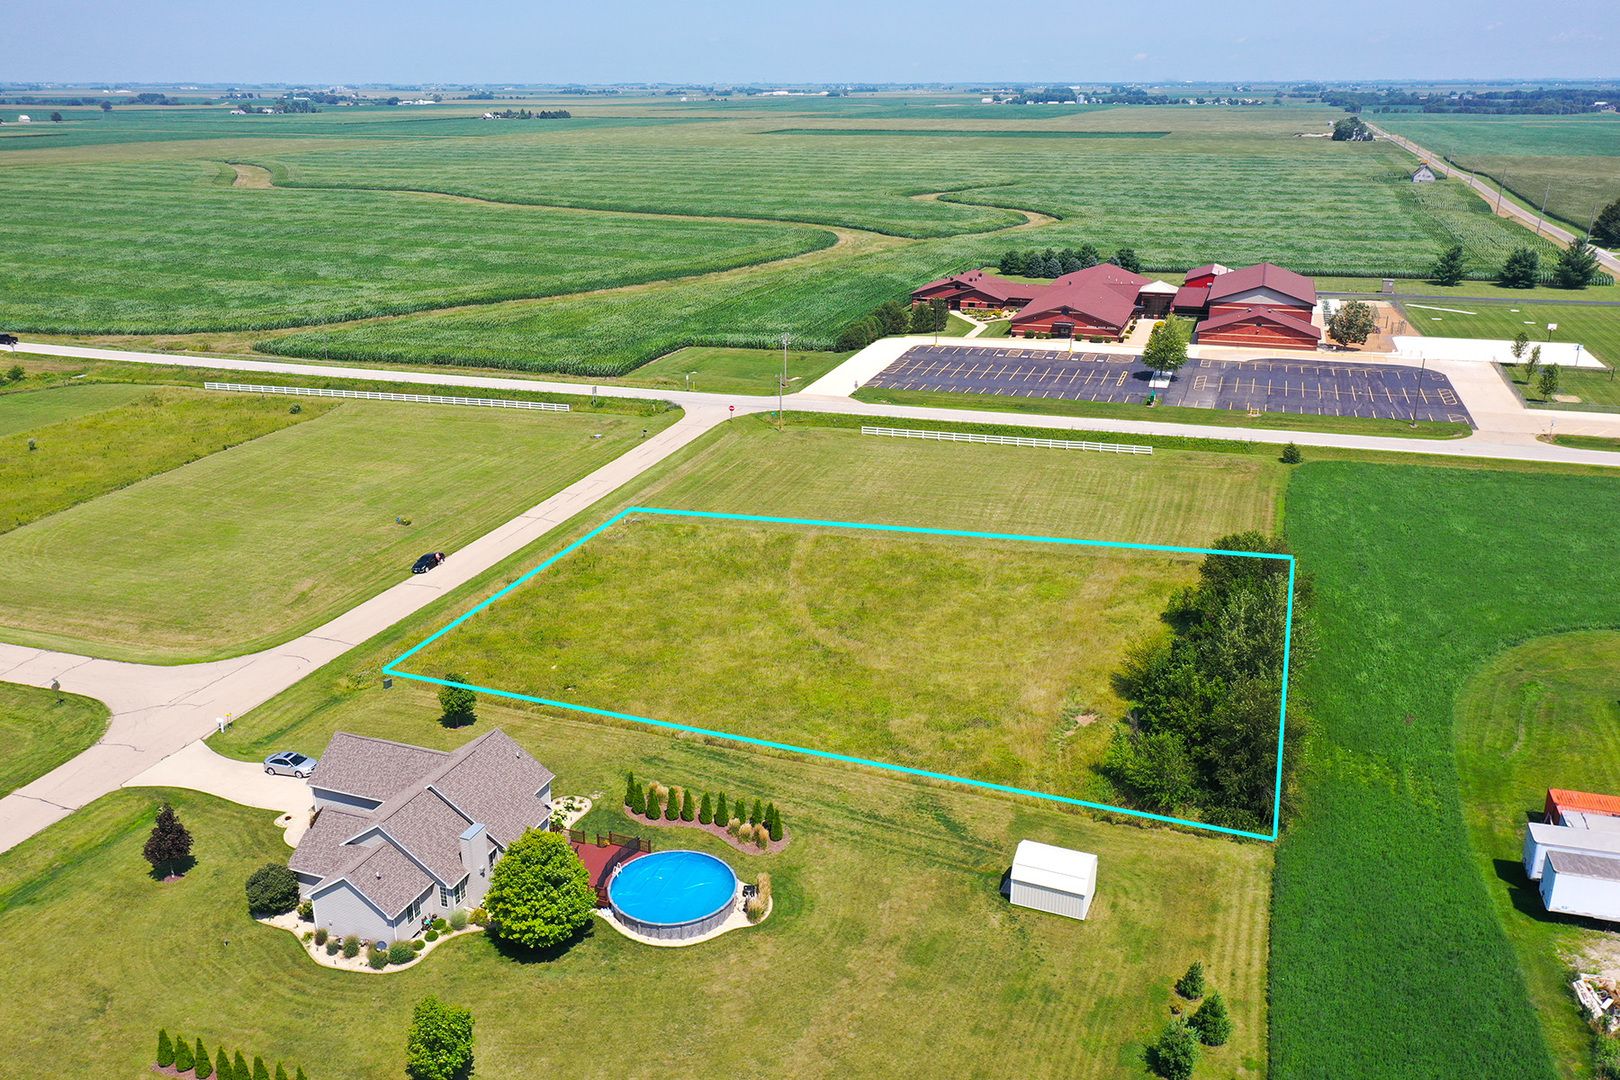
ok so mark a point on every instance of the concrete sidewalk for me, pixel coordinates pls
(157, 710)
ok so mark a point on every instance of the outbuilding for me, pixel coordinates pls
(1058, 880)
(1582, 885)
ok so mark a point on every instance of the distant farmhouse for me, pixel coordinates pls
(1424, 174)
(1574, 854)
(402, 832)
(1262, 306)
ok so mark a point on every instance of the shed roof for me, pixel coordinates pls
(1285, 319)
(1051, 867)
(1586, 866)
(1264, 275)
(1584, 800)
(1209, 269)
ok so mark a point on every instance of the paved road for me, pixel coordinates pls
(1609, 262)
(157, 711)
(1300, 384)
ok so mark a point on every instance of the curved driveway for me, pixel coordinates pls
(158, 710)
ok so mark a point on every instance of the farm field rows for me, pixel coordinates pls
(1538, 716)
(235, 551)
(1573, 162)
(1380, 907)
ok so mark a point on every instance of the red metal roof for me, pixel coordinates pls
(1208, 270)
(994, 287)
(1190, 296)
(1287, 319)
(1104, 293)
(1264, 275)
(1585, 801)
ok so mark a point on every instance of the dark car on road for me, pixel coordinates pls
(9, 339)
(289, 763)
(428, 562)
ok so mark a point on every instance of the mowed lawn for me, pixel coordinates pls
(1539, 716)
(734, 371)
(40, 729)
(890, 951)
(1595, 326)
(20, 412)
(254, 544)
(1381, 910)
(49, 466)
(967, 657)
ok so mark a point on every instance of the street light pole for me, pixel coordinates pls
(781, 384)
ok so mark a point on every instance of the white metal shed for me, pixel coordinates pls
(1540, 839)
(1582, 885)
(1053, 879)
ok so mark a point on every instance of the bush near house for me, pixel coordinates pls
(272, 890)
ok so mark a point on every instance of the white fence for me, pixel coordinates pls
(1009, 440)
(427, 399)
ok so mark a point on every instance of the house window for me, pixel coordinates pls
(413, 912)
(444, 896)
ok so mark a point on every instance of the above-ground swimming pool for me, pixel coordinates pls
(673, 894)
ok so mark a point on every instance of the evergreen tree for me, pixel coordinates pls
(1013, 261)
(922, 319)
(1576, 265)
(259, 1071)
(165, 1049)
(1176, 1052)
(281, 1071)
(633, 797)
(183, 1060)
(1291, 454)
(169, 840)
(1211, 1022)
(776, 825)
(722, 812)
(1522, 269)
(300, 1075)
(652, 803)
(1191, 985)
(756, 815)
(672, 807)
(1126, 259)
(205, 1064)
(240, 1070)
(1069, 261)
(1606, 229)
(222, 1066)
(892, 318)
(1448, 268)
(770, 812)
(688, 806)
(1088, 255)
(706, 811)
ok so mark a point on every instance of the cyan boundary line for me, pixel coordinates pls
(391, 668)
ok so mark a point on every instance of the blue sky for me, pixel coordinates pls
(494, 41)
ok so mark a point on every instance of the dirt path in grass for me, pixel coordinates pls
(251, 176)
(1032, 218)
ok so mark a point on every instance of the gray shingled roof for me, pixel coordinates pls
(1587, 866)
(490, 781)
(373, 768)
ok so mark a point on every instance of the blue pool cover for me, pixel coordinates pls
(672, 887)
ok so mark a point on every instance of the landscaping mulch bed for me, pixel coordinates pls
(719, 831)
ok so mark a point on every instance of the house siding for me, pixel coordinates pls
(343, 911)
(1052, 901)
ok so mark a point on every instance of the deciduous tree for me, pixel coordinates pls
(1166, 346)
(1521, 342)
(539, 893)
(458, 702)
(1352, 324)
(439, 1045)
(1547, 385)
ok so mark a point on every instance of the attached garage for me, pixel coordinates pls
(1053, 879)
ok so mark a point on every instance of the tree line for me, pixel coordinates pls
(1574, 268)
(1053, 264)
(894, 317)
(1201, 734)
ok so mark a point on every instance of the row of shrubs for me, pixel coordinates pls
(763, 823)
(1176, 1052)
(180, 1054)
(400, 952)
(894, 317)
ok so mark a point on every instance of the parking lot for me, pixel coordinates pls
(1303, 384)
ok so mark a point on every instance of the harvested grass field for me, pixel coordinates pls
(236, 550)
(1540, 715)
(75, 460)
(40, 729)
(733, 371)
(991, 660)
(1380, 910)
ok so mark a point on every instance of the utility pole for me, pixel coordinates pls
(1500, 184)
(1591, 223)
(781, 385)
(1543, 212)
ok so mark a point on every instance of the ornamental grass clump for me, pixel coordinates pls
(401, 952)
(351, 947)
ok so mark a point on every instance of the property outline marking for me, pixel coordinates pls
(392, 667)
